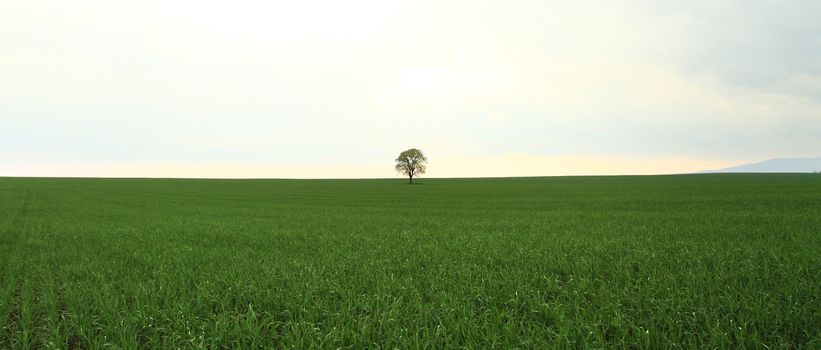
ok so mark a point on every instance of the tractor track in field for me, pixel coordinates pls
(10, 232)
(9, 236)
(14, 316)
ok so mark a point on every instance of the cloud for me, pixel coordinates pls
(746, 43)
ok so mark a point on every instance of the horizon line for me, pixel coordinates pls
(395, 178)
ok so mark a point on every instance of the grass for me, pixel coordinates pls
(692, 261)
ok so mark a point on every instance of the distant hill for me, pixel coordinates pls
(778, 165)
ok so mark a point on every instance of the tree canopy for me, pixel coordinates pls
(411, 163)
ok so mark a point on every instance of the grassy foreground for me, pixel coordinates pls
(692, 261)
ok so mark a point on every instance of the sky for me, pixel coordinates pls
(333, 89)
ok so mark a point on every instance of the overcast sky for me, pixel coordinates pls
(338, 88)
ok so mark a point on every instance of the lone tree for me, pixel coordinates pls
(411, 163)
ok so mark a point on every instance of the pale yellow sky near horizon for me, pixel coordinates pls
(325, 89)
(508, 165)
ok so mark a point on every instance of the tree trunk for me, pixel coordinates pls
(410, 179)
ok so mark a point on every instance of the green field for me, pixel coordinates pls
(694, 261)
